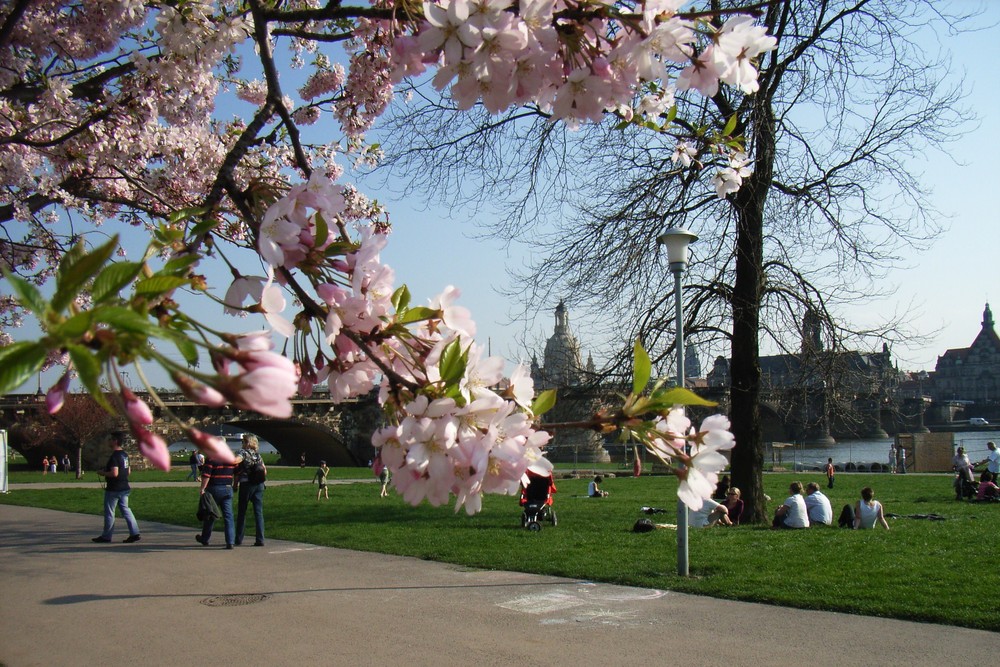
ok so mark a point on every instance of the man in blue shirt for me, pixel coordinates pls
(116, 492)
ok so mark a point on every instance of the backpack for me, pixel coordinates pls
(643, 526)
(256, 474)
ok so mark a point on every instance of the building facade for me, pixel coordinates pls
(970, 373)
(577, 396)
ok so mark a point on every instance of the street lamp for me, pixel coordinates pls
(677, 241)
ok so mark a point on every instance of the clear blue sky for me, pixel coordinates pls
(943, 290)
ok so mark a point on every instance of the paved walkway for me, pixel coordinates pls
(166, 600)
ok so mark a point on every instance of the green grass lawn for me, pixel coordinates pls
(920, 570)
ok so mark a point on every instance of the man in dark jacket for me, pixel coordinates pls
(217, 479)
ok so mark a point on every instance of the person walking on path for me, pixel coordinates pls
(321, 472)
(196, 461)
(381, 471)
(116, 492)
(251, 490)
(217, 479)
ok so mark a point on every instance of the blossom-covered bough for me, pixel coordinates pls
(109, 116)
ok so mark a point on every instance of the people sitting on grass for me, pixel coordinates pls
(792, 513)
(988, 489)
(818, 506)
(868, 511)
(594, 488)
(733, 506)
(721, 489)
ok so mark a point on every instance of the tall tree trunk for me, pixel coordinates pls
(79, 460)
(748, 454)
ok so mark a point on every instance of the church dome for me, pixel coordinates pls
(562, 364)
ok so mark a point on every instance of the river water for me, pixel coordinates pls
(805, 457)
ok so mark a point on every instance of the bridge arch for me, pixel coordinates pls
(292, 439)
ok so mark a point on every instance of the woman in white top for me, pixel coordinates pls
(868, 511)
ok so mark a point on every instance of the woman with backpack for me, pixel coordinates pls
(251, 475)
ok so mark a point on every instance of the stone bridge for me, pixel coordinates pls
(340, 433)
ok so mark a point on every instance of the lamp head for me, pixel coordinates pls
(677, 240)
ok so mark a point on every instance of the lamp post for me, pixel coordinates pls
(677, 241)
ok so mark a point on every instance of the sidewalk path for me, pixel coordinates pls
(167, 601)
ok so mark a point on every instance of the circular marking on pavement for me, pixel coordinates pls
(235, 600)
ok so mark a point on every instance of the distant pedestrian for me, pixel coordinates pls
(116, 491)
(65, 463)
(830, 472)
(381, 471)
(302, 460)
(892, 458)
(196, 460)
(320, 477)
(992, 460)
(45, 466)
(53, 464)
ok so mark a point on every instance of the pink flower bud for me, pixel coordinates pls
(137, 411)
(153, 448)
(214, 447)
(56, 396)
(198, 392)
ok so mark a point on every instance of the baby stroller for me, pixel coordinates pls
(536, 501)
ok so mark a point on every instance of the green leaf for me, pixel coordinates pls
(417, 314)
(160, 285)
(27, 294)
(113, 278)
(178, 264)
(186, 347)
(642, 368)
(127, 320)
(453, 362)
(544, 402)
(681, 396)
(88, 368)
(205, 226)
(72, 256)
(401, 298)
(322, 230)
(730, 125)
(18, 362)
(75, 326)
(185, 213)
(75, 271)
